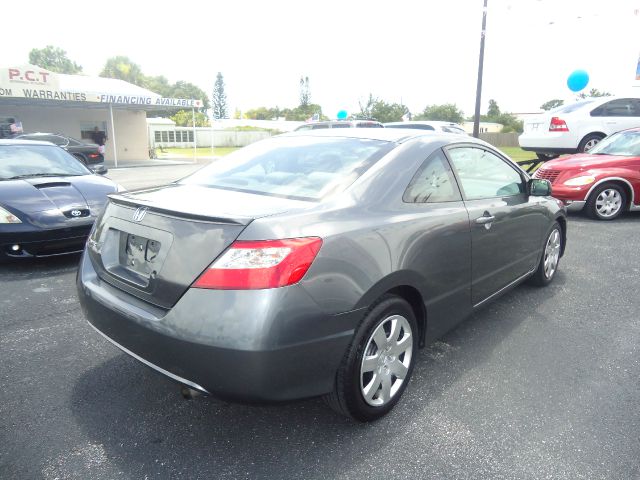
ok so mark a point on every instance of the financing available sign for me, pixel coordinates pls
(36, 83)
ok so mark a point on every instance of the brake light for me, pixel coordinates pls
(93, 155)
(558, 125)
(249, 265)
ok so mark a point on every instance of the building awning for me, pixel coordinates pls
(29, 85)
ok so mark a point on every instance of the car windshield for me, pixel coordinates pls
(623, 143)
(306, 168)
(23, 161)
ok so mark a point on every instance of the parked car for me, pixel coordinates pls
(316, 263)
(579, 126)
(438, 126)
(87, 153)
(48, 200)
(339, 124)
(604, 182)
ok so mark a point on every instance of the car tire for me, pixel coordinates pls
(589, 142)
(368, 382)
(550, 258)
(546, 156)
(606, 202)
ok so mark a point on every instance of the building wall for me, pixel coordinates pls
(130, 126)
(168, 135)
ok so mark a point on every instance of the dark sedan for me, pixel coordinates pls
(48, 200)
(316, 263)
(87, 153)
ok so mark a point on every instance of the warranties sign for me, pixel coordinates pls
(36, 83)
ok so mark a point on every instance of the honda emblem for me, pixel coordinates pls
(139, 214)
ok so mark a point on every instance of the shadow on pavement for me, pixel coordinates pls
(146, 428)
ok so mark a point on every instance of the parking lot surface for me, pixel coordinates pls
(541, 384)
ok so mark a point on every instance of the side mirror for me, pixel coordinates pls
(539, 187)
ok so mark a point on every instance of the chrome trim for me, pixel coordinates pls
(506, 287)
(609, 179)
(178, 379)
(575, 206)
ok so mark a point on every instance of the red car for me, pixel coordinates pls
(604, 182)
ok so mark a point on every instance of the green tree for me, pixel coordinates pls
(305, 92)
(448, 112)
(551, 104)
(53, 59)
(263, 113)
(380, 110)
(182, 89)
(124, 69)
(594, 92)
(219, 98)
(184, 118)
(494, 110)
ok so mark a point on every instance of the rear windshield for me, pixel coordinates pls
(572, 107)
(23, 161)
(625, 144)
(305, 168)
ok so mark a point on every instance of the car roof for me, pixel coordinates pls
(397, 135)
(425, 122)
(20, 141)
(41, 134)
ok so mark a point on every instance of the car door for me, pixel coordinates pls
(506, 226)
(439, 245)
(618, 114)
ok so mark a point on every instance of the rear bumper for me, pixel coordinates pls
(548, 142)
(251, 346)
(42, 242)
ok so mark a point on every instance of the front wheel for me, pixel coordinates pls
(548, 265)
(378, 364)
(606, 202)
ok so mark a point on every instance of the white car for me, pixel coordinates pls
(438, 126)
(577, 127)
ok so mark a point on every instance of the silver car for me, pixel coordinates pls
(316, 263)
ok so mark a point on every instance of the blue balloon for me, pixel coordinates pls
(342, 115)
(577, 80)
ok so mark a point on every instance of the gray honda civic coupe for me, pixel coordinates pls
(316, 263)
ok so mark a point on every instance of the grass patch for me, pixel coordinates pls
(517, 154)
(200, 152)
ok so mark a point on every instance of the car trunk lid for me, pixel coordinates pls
(154, 243)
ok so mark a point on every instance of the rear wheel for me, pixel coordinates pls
(606, 202)
(550, 259)
(378, 364)
(589, 142)
(546, 156)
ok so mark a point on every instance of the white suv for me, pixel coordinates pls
(577, 127)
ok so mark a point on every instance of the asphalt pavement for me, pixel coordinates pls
(544, 383)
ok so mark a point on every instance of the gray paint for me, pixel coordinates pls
(372, 242)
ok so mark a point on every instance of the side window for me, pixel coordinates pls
(433, 182)
(483, 174)
(319, 126)
(622, 107)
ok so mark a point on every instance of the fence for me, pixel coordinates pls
(501, 139)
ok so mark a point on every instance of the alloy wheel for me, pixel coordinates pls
(552, 254)
(608, 203)
(386, 360)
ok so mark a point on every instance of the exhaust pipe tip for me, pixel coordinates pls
(189, 393)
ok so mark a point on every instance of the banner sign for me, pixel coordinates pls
(39, 84)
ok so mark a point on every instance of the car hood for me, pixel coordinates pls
(584, 161)
(32, 196)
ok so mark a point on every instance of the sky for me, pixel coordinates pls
(410, 51)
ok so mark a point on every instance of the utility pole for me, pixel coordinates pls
(476, 118)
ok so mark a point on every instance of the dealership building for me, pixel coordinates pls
(73, 105)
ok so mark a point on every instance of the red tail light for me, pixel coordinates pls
(93, 155)
(249, 265)
(558, 125)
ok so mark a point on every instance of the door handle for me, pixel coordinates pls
(485, 219)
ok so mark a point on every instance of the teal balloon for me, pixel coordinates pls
(342, 115)
(577, 80)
